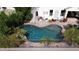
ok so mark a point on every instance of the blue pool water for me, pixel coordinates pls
(35, 34)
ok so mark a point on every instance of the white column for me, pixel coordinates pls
(59, 15)
(66, 14)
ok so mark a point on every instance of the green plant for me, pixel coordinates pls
(20, 33)
(14, 20)
(7, 24)
(4, 42)
(72, 35)
(27, 16)
(10, 34)
(3, 27)
(13, 40)
(46, 41)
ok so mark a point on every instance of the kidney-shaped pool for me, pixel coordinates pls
(35, 34)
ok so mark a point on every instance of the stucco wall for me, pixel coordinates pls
(44, 12)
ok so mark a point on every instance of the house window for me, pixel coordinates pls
(36, 13)
(51, 12)
(72, 14)
(63, 12)
(4, 8)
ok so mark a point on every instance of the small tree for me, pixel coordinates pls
(27, 16)
(7, 24)
(15, 20)
(3, 27)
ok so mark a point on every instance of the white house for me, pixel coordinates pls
(48, 13)
(56, 13)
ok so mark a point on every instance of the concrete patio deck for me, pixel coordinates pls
(72, 21)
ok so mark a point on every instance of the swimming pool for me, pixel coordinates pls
(35, 34)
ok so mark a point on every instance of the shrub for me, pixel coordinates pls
(10, 35)
(27, 16)
(3, 27)
(4, 42)
(46, 41)
(14, 20)
(72, 35)
(13, 40)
